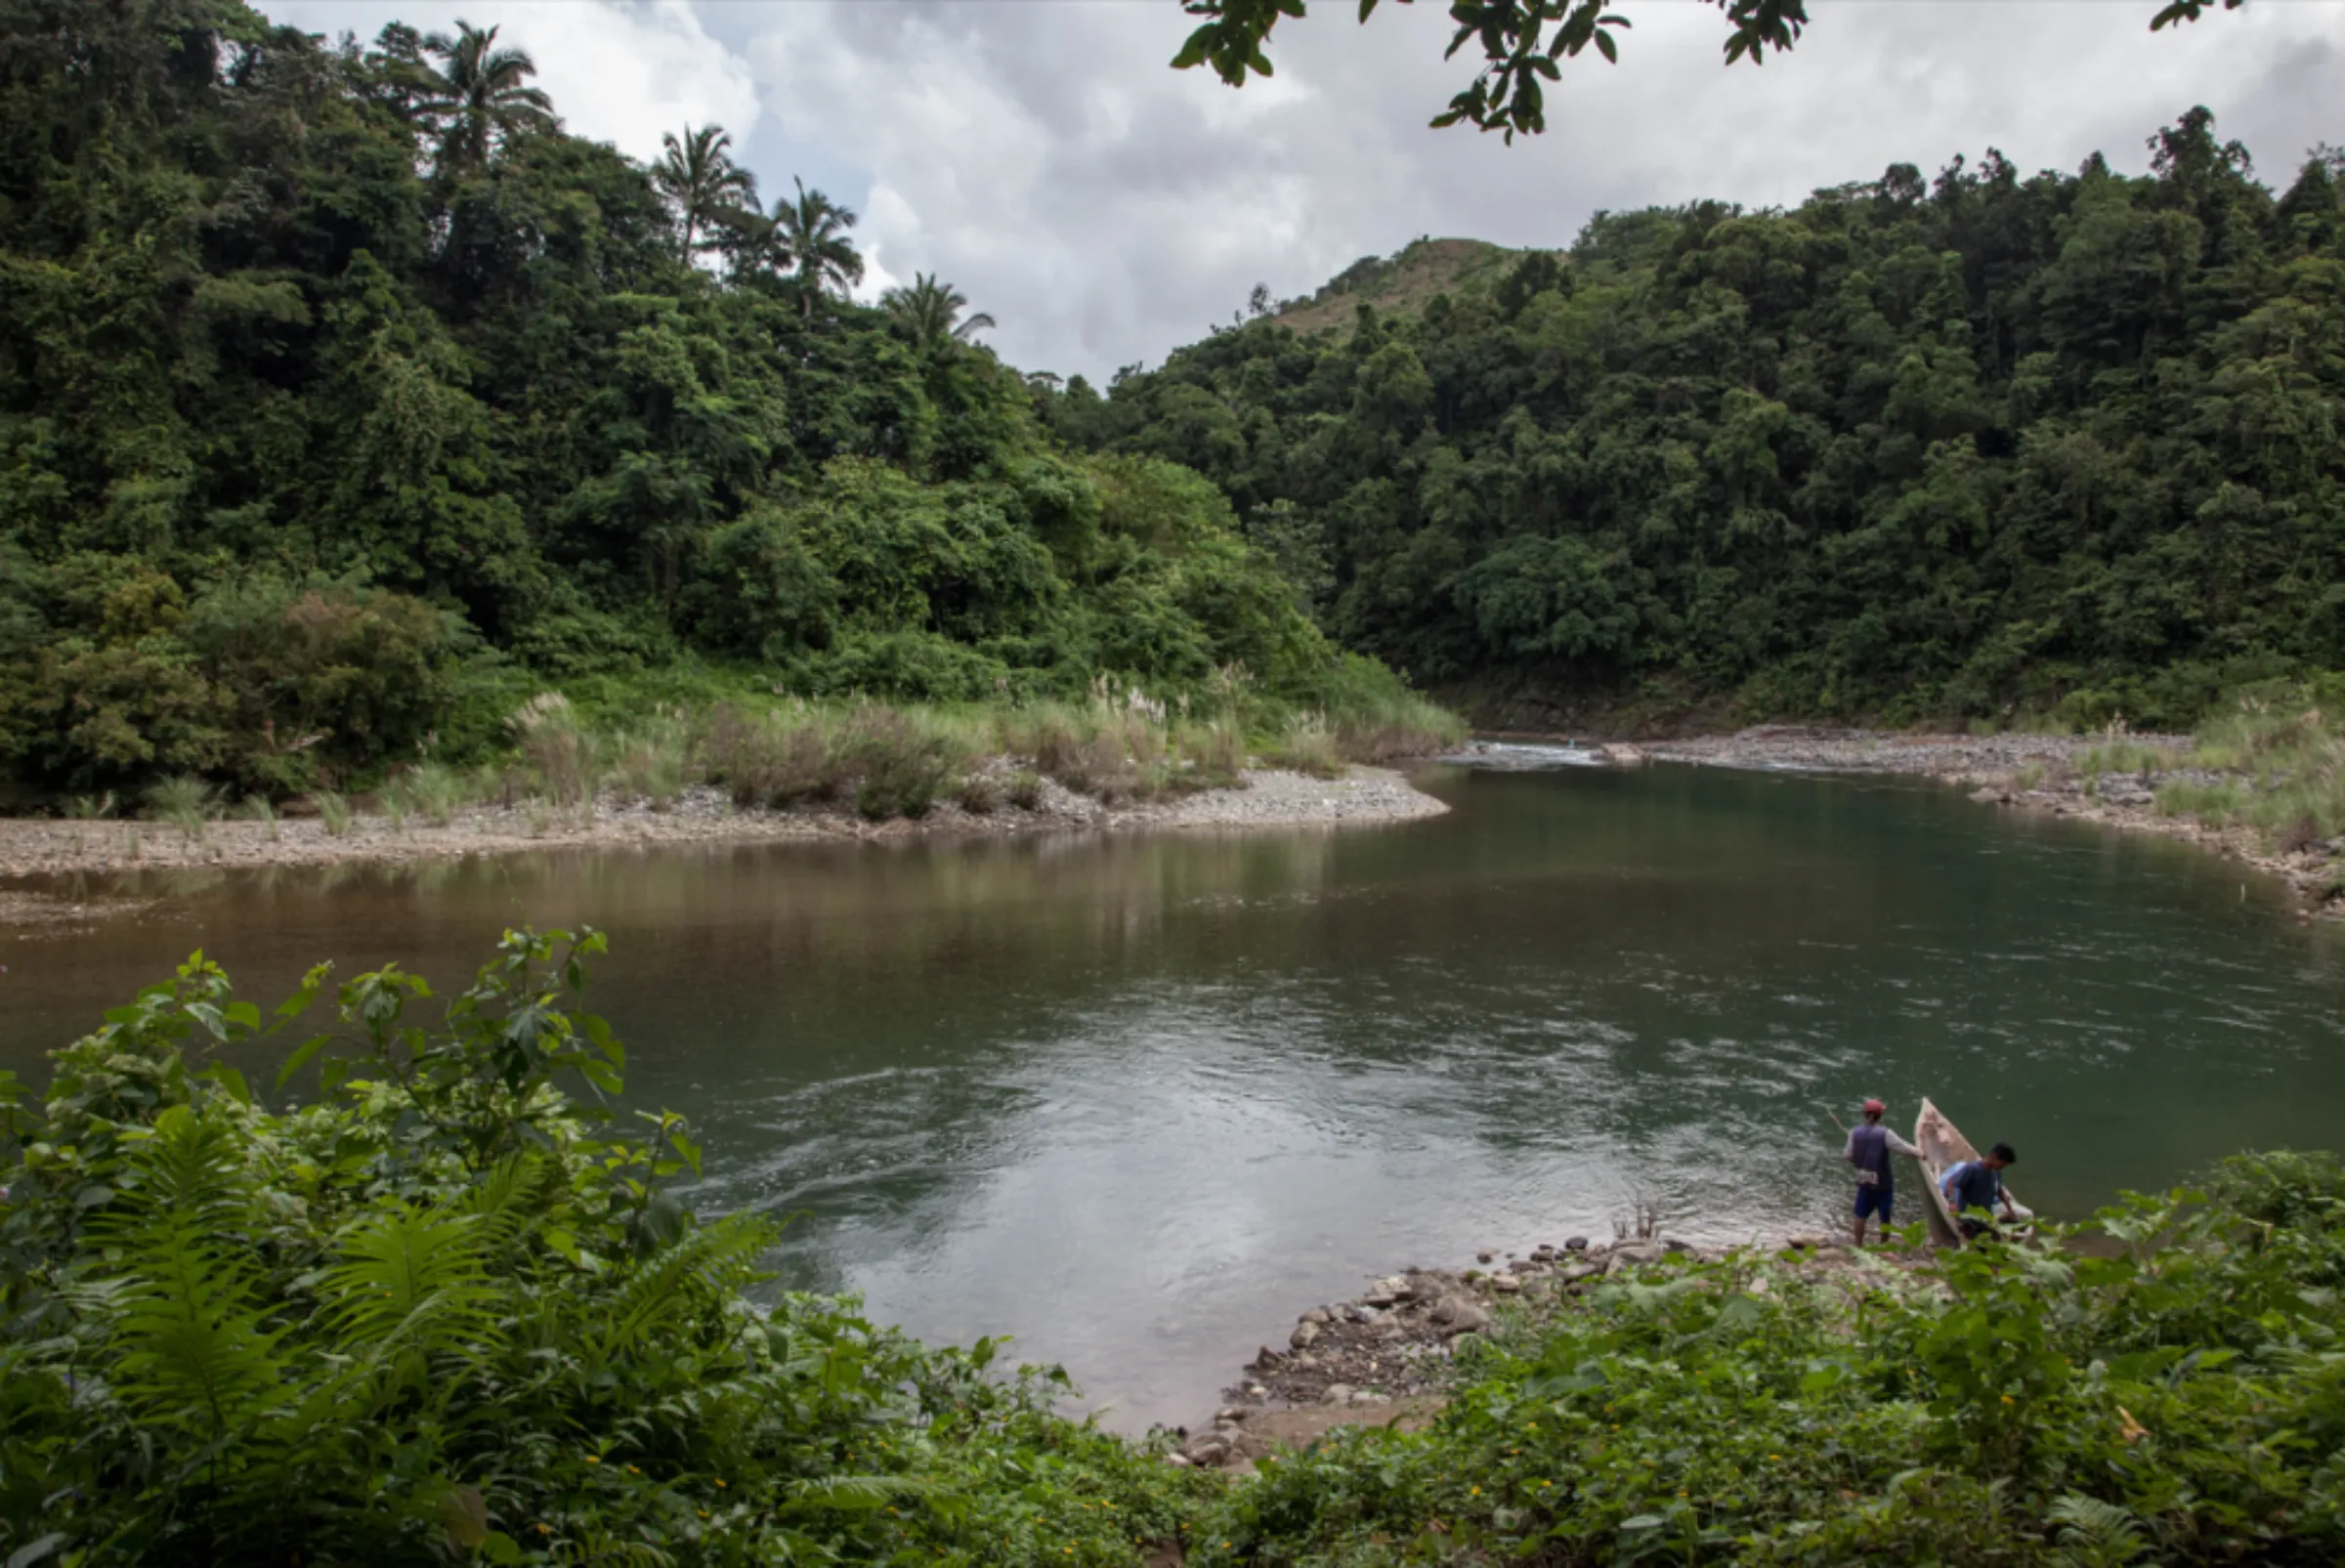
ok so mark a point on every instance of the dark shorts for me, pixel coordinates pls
(1871, 1201)
(1972, 1229)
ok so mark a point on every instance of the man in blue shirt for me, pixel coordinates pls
(1975, 1187)
(1870, 1144)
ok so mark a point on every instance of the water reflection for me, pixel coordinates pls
(1137, 1100)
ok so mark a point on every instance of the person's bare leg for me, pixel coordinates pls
(1859, 1230)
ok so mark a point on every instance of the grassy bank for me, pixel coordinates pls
(559, 752)
(442, 1306)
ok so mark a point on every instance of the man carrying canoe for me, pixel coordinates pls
(1870, 1144)
(1975, 1187)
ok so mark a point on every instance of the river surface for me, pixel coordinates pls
(1137, 1100)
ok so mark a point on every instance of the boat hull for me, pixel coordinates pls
(1943, 1147)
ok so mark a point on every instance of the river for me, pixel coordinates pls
(1135, 1100)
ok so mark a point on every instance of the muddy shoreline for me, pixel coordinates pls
(35, 848)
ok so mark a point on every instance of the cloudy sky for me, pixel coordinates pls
(1040, 154)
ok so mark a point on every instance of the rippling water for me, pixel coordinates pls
(1136, 1101)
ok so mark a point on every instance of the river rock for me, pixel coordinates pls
(1457, 1315)
(1630, 1254)
(1483, 1258)
(1207, 1450)
(1364, 1397)
(1336, 1394)
(1576, 1243)
(1314, 1315)
(1305, 1333)
(1580, 1271)
(1505, 1284)
(1230, 1413)
(1621, 754)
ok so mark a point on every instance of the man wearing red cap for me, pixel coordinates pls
(1870, 1144)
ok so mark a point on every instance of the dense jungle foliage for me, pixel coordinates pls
(345, 400)
(1990, 445)
(446, 1311)
(443, 1304)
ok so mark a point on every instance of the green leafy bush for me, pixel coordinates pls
(443, 1311)
(2022, 1402)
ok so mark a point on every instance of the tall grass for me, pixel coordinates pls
(186, 802)
(555, 752)
(256, 808)
(333, 811)
(2285, 763)
(653, 760)
(1385, 727)
(437, 792)
(887, 762)
(1308, 744)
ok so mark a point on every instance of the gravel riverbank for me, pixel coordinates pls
(1385, 1357)
(31, 847)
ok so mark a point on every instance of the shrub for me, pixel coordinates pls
(769, 759)
(442, 1312)
(979, 793)
(900, 764)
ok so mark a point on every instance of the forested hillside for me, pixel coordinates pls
(345, 398)
(1989, 446)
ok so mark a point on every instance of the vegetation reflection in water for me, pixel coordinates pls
(1137, 1100)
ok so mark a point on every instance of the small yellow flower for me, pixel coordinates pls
(722, 1482)
(1476, 1492)
(632, 1471)
(594, 1458)
(2006, 1399)
(545, 1529)
(704, 1513)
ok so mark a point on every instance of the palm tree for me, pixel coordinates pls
(698, 176)
(479, 96)
(930, 311)
(809, 238)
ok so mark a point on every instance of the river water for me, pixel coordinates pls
(1137, 1100)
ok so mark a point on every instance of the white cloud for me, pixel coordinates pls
(1106, 208)
(621, 73)
(1043, 159)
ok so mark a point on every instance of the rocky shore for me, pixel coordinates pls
(2054, 775)
(31, 847)
(1386, 1356)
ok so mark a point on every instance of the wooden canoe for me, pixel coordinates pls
(1943, 1147)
